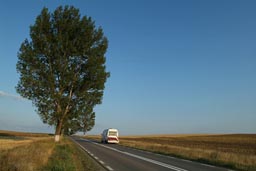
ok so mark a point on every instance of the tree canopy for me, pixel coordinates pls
(62, 68)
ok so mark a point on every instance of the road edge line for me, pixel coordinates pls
(86, 151)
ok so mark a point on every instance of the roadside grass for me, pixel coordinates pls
(235, 151)
(19, 152)
(67, 156)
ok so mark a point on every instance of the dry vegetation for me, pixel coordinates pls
(38, 152)
(24, 151)
(9, 139)
(237, 151)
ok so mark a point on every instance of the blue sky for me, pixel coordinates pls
(176, 66)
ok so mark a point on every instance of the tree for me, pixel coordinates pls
(62, 67)
(83, 124)
(88, 121)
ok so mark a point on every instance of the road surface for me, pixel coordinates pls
(119, 158)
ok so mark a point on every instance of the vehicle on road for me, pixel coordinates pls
(110, 136)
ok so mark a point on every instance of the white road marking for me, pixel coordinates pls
(185, 160)
(207, 165)
(144, 158)
(109, 168)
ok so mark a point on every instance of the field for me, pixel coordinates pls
(38, 152)
(236, 151)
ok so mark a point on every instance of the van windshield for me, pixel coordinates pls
(112, 133)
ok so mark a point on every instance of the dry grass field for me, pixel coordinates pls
(38, 152)
(24, 151)
(9, 139)
(237, 151)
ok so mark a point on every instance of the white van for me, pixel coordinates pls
(110, 136)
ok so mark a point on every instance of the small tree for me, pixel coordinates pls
(62, 68)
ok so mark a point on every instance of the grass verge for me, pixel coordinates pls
(67, 156)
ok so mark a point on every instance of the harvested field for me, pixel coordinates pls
(9, 139)
(236, 151)
(237, 143)
(4, 133)
(17, 150)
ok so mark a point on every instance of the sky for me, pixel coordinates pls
(177, 67)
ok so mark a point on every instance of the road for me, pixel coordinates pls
(119, 158)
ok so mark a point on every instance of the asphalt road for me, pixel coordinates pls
(119, 158)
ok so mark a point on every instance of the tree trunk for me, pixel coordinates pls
(58, 131)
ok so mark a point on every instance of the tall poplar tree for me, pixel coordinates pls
(62, 67)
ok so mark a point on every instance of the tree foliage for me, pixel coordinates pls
(62, 67)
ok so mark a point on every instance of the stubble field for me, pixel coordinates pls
(236, 151)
